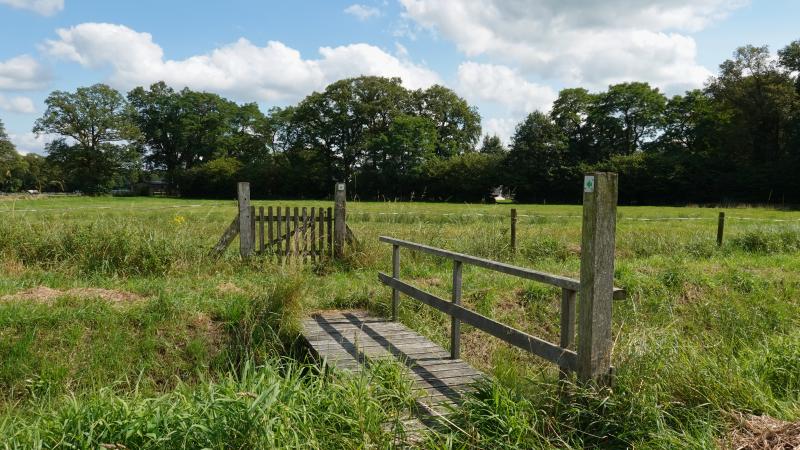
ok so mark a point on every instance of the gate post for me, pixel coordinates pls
(597, 276)
(246, 232)
(340, 221)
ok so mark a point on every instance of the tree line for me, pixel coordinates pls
(735, 140)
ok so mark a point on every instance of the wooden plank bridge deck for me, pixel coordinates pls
(349, 340)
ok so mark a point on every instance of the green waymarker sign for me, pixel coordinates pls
(588, 183)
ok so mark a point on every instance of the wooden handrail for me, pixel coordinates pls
(565, 358)
(522, 272)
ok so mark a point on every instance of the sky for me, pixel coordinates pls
(506, 57)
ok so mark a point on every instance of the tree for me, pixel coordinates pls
(10, 163)
(492, 145)
(344, 129)
(789, 58)
(570, 113)
(458, 125)
(630, 113)
(94, 126)
(157, 113)
(537, 158)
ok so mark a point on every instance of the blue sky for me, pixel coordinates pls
(507, 57)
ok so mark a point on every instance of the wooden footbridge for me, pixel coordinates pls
(350, 340)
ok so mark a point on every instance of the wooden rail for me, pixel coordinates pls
(592, 360)
(521, 272)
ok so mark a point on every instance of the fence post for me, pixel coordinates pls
(514, 230)
(597, 276)
(246, 235)
(395, 275)
(455, 324)
(720, 228)
(340, 221)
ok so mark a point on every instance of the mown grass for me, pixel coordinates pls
(705, 334)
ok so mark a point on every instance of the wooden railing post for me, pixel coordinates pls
(514, 230)
(567, 341)
(455, 324)
(395, 275)
(597, 276)
(246, 232)
(720, 228)
(340, 221)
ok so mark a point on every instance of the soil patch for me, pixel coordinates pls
(764, 433)
(44, 294)
(229, 288)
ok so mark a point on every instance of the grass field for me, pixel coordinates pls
(117, 328)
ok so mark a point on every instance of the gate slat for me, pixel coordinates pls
(279, 251)
(296, 229)
(269, 228)
(313, 237)
(261, 229)
(330, 231)
(288, 231)
(304, 249)
(321, 239)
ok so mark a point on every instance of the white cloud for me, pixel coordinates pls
(274, 72)
(504, 86)
(362, 12)
(502, 127)
(22, 105)
(22, 73)
(30, 142)
(589, 43)
(43, 7)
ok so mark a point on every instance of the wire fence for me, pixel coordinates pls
(356, 212)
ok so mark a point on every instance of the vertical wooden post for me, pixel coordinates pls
(514, 230)
(245, 226)
(278, 225)
(261, 229)
(567, 321)
(312, 221)
(395, 275)
(340, 221)
(597, 275)
(288, 212)
(330, 231)
(455, 324)
(271, 231)
(720, 228)
(296, 232)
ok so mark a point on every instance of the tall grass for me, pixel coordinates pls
(706, 332)
(277, 405)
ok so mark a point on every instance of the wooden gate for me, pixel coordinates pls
(288, 232)
(293, 232)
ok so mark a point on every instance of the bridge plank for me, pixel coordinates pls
(349, 340)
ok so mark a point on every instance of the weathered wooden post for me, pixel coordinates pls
(246, 232)
(597, 276)
(340, 220)
(720, 228)
(568, 297)
(395, 275)
(514, 230)
(455, 324)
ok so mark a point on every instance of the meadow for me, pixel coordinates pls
(117, 328)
